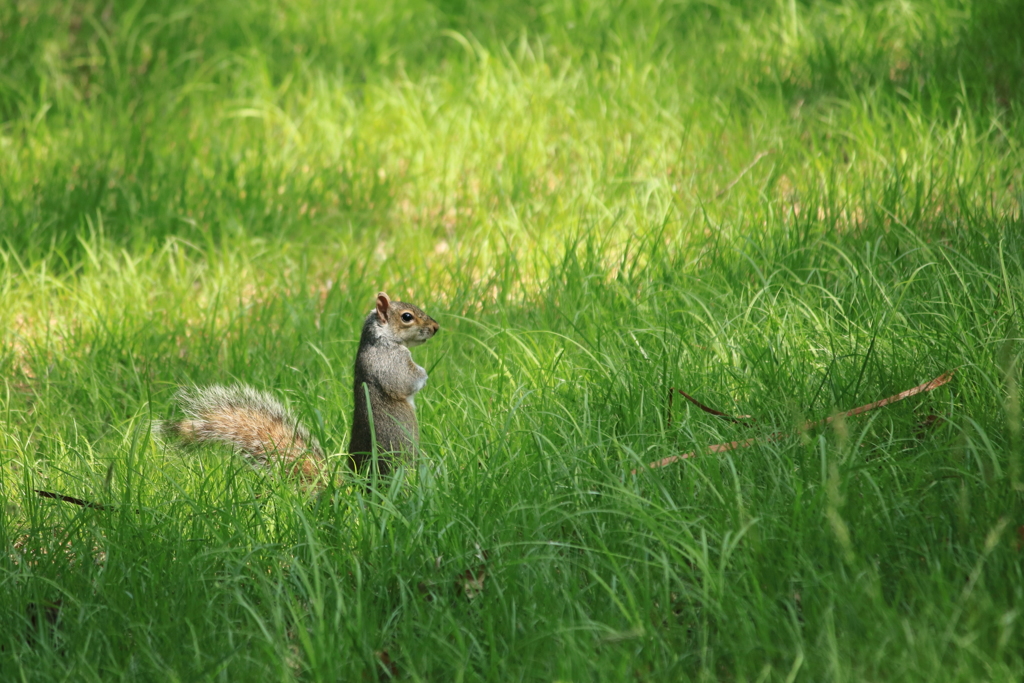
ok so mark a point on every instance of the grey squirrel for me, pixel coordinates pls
(258, 426)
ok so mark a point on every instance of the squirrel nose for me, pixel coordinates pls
(436, 327)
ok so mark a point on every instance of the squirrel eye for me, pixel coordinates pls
(407, 317)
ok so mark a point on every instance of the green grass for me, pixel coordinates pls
(785, 209)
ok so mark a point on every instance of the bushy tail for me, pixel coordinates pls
(252, 421)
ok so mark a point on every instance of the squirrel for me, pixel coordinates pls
(258, 426)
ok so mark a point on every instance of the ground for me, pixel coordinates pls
(786, 210)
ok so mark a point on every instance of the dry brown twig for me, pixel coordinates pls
(746, 169)
(733, 445)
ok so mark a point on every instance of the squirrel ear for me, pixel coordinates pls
(383, 302)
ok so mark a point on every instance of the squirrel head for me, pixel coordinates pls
(405, 323)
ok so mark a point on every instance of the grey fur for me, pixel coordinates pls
(258, 426)
(391, 377)
(252, 421)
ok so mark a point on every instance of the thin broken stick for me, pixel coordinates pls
(733, 445)
(71, 499)
(745, 171)
(710, 411)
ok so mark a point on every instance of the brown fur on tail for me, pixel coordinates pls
(253, 422)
